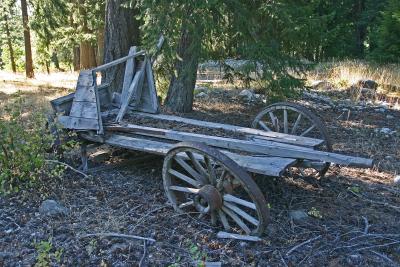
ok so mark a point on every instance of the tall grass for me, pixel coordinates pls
(347, 72)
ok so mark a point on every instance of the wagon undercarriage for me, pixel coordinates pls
(206, 164)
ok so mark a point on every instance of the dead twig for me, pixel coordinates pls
(302, 244)
(143, 259)
(119, 235)
(68, 166)
(383, 256)
(222, 234)
(380, 246)
(366, 225)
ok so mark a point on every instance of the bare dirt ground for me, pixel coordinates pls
(352, 213)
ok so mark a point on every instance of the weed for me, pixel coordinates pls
(45, 255)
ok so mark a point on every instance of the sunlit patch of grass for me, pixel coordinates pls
(345, 73)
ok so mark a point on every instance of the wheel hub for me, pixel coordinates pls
(208, 199)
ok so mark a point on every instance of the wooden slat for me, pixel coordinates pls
(267, 147)
(133, 91)
(118, 61)
(270, 166)
(85, 78)
(129, 72)
(84, 109)
(69, 122)
(271, 136)
(85, 93)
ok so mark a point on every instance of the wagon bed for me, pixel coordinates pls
(204, 161)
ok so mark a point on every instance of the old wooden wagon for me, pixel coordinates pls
(207, 164)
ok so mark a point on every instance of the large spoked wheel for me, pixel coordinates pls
(203, 182)
(297, 120)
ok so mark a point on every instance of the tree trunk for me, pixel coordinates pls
(180, 92)
(27, 39)
(10, 47)
(360, 28)
(100, 46)
(121, 32)
(87, 56)
(76, 59)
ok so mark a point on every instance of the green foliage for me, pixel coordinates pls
(10, 16)
(23, 145)
(388, 34)
(46, 256)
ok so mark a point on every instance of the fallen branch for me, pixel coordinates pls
(143, 259)
(68, 166)
(379, 246)
(302, 244)
(239, 237)
(119, 235)
(366, 228)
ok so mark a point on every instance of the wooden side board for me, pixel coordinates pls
(271, 166)
(269, 148)
(252, 133)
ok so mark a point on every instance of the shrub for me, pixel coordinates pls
(23, 145)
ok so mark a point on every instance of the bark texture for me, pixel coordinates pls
(9, 44)
(27, 40)
(183, 81)
(121, 32)
(77, 62)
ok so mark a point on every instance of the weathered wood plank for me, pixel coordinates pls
(86, 78)
(69, 122)
(271, 166)
(63, 104)
(129, 72)
(85, 93)
(153, 101)
(84, 109)
(118, 61)
(253, 133)
(133, 91)
(267, 147)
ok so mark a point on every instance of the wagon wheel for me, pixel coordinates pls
(201, 181)
(295, 119)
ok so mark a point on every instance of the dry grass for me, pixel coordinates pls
(345, 73)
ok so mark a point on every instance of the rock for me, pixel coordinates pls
(368, 93)
(354, 259)
(396, 179)
(368, 84)
(385, 130)
(246, 94)
(201, 95)
(199, 89)
(298, 215)
(388, 157)
(321, 85)
(389, 117)
(119, 248)
(381, 110)
(51, 208)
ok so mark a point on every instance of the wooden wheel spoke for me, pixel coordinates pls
(213, 218)
(242, 213)
(237, 220)
(285, 121)
(274, 120)
(184, 178)
(186, 204)
(296, 124)
(308, 130)
(211, 172)
(224, 220)
(264, 126)
(197, 165)
(184, 189)
(190, 170)
(230, 198)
